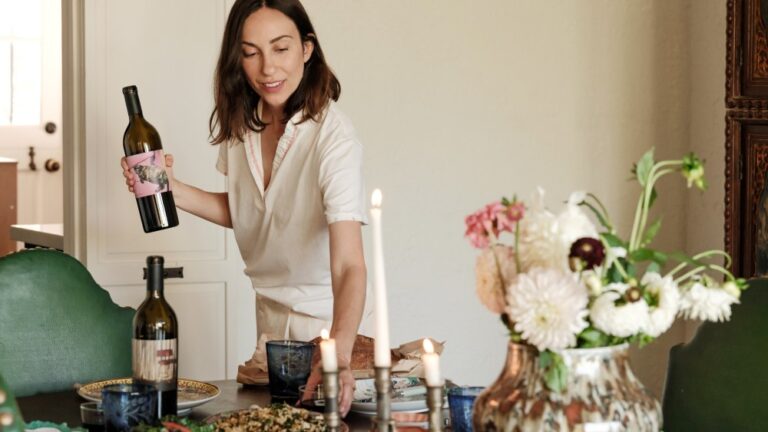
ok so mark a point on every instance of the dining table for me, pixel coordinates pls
(64, 406)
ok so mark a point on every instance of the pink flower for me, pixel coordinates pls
(490, 221)
(476, 231)
(515, 211)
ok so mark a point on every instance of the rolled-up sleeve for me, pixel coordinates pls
(341, 181)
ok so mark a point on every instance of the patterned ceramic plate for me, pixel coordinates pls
(191, 393)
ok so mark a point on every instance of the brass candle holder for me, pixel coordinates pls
(383, 421)
(435, 405)
(331, 394)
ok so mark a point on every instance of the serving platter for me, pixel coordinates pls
(191, 393)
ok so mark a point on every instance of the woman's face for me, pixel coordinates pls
(273, 56)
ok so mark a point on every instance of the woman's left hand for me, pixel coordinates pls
(346, 387)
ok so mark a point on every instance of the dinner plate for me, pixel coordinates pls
(191, 393)
(409, 394)
(343, 428)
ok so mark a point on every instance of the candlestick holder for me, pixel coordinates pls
(331, 393)
(383, 421)
(435, 405)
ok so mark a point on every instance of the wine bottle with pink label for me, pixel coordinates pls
(144, 154)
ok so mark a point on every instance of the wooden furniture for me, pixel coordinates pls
(39, 235)
(8, 210)
(717, 381)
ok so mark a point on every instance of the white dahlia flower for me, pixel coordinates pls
(705, 303)
(668, 301)
(622, 321)
(548, 307)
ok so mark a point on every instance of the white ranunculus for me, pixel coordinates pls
(705, 303)
(494, 270)
(622, 321)
(548, 307)
(546, 239)
(663, 314)
(573, 223)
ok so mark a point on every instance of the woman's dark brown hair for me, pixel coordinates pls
(236, 103)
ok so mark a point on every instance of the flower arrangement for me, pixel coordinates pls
(565, 283)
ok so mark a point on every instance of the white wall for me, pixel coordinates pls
(459, 103)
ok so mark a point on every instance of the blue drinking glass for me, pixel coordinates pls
(128, 405)
(289, 364)
(460, 403)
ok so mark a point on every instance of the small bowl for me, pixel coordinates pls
(92, 416)
(316, 399)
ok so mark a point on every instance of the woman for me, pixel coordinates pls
(295, 196)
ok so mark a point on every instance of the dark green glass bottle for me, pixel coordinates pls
(155, 340)
(144, 153)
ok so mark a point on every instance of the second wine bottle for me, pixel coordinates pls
(155, 340)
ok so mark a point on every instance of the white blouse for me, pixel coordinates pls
(282, 231)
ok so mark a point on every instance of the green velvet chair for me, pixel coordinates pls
(58, 327)
(719, 381)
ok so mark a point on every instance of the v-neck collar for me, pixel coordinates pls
(253, 152)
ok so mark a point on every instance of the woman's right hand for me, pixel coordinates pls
(128, 174)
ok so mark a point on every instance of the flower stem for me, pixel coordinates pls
(641, 212)
(517, 246)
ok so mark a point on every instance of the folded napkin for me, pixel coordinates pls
(406, 359)
(409, 358)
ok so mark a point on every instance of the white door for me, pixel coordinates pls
(168, 49)
(30, 99)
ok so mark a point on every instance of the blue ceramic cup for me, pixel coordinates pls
(460, 403)
(128, 405)
(289, 364)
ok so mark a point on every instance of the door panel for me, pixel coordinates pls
(168, 49)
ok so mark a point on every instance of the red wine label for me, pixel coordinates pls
(149, 174)
(155, 360)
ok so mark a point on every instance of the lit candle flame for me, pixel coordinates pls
(428, 347)
(324, 334)
(376, 198)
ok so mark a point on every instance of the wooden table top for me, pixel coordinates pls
(64, 407)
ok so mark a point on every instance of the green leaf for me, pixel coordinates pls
(592, 338)
(613, 240)
(614, 275)
(643, 167)
(505, 202)
(555, 371)
(653, 267)
(645, 254)
(651, 232)
(652, 200)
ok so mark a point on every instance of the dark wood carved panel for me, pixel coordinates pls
(746, 136)
(746, 166)
(747, 54)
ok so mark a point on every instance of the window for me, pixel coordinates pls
(20, 62)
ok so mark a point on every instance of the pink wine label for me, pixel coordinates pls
(149, 174)
(155, 360)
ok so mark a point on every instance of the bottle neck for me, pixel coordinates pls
(155, 282)
(133, 105)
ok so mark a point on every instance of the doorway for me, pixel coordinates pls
(30, 107)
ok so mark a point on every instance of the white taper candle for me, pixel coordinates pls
(381, 344)
(431, 362)
(328, 352)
